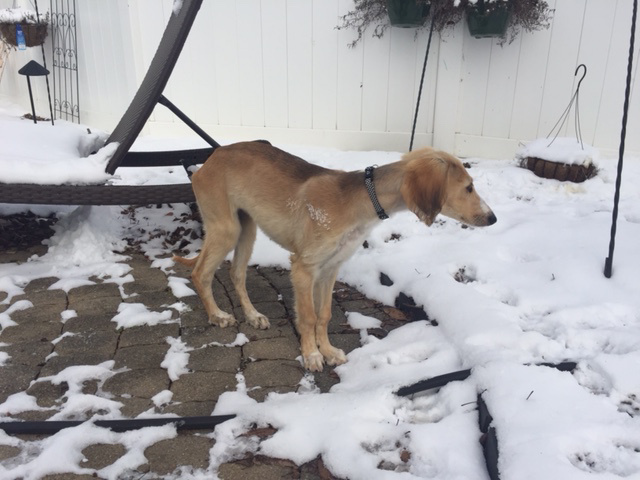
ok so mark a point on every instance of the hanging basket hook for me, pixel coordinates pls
(584, 74)
(565, 115)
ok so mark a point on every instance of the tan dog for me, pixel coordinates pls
(320, 215)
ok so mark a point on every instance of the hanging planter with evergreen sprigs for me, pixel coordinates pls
(521, 15)
(488, 18)
(407, 13)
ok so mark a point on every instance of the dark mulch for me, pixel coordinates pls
(29, 116)
(24, 230)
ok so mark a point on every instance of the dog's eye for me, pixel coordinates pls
(470, 188)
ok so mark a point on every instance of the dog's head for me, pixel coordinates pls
(436, 182)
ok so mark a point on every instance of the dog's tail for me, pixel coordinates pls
(189, 262)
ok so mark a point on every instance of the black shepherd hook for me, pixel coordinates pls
(44, 62)
(608, 264)
(424, 69)
(575, 98)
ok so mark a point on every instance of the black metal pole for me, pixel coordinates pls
(178, 113)
(33, 108)
(44, 62)
(424, 69)
(608, 265)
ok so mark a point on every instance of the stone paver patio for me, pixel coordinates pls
(41, 345)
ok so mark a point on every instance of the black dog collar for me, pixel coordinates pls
(368, 183)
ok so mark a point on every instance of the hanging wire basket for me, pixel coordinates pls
(576, 170)
(34, 33)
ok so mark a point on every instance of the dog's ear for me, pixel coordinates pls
(424, 186)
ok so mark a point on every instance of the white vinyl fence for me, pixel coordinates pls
(279, 70)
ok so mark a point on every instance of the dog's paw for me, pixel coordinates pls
(222, 319)
(313, 361)
(335, 357)
(259, 321)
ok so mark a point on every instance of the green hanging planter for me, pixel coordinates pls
(485, 22)
(407, 13)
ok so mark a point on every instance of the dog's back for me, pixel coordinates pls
(247, 158)
(261, 180)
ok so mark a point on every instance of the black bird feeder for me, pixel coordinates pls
(34, 69)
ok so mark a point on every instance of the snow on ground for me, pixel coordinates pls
(529, 289)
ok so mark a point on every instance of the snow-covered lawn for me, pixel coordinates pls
(528, 290)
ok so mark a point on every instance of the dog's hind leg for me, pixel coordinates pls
(323, 295)
(302, 279)
(241, 258)
(218, 241)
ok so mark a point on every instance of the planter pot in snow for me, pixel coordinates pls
(407, 13)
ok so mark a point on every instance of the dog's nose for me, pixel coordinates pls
(492, 219)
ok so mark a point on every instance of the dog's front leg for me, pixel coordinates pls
(303, 280)
(323, 295)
